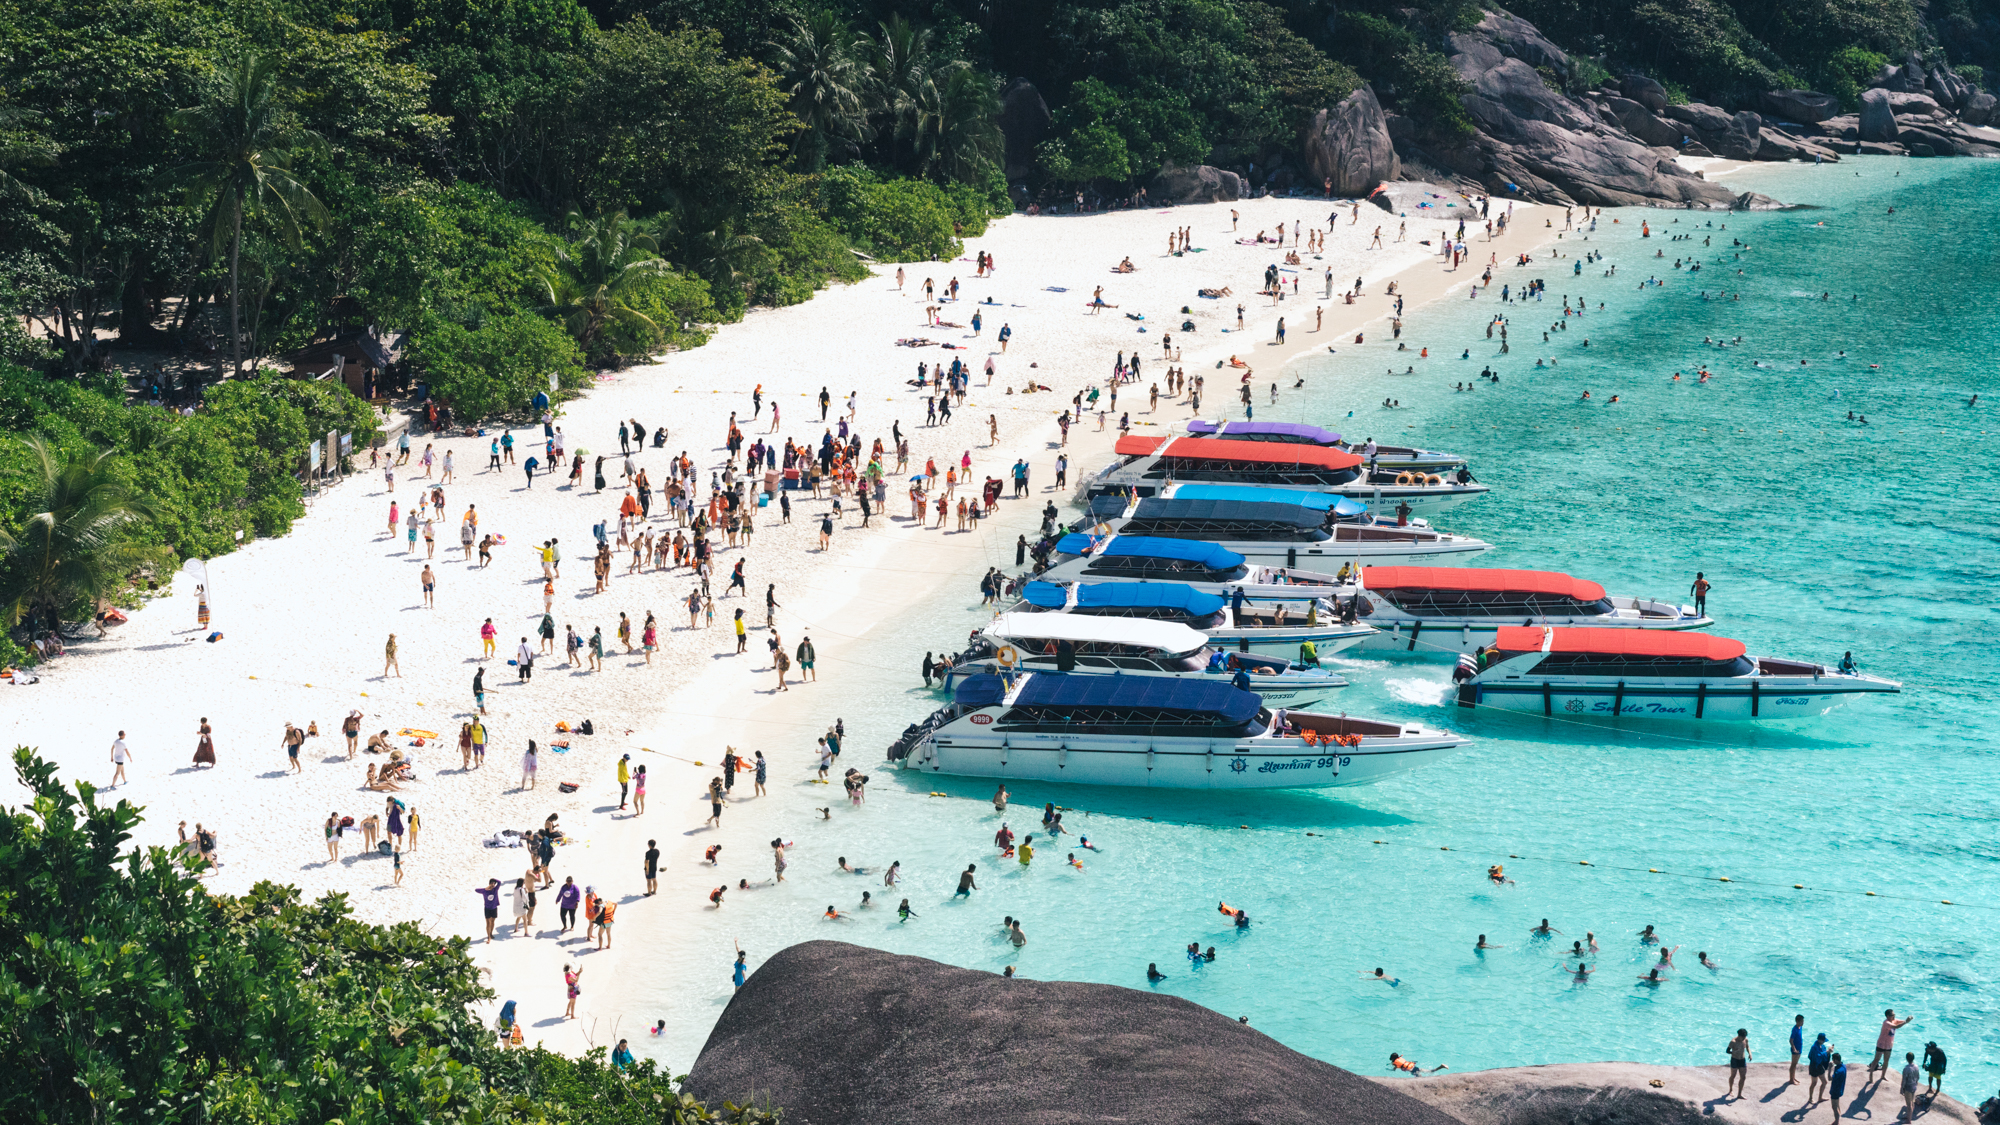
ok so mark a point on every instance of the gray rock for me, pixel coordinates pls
(1921, 105)
(1803, 106)
(1516, 38)
(1741, 139)
(1878, 120)
(1024, 122)
(1846, 127)
(1776, 144)
(1350, 145)
(1878, 148)
(1978, 109)
(1948, 88)
(836, 1034)
(1201, 184)
(1641, 122)
(1646, 92)
(1705, 118)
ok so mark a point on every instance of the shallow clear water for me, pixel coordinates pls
(1819, 536)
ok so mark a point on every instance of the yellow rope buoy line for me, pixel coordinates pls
(1730, 879)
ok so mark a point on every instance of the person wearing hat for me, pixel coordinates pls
(624, 778)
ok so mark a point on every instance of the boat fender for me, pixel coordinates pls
(1008, 656)
(1402, 478)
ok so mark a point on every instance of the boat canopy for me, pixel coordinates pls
(1142, 547)
(1620, 642)
(1549, 582)
(980, 691)
(1265, 431)
(1223, 516)
(1176, 596)
(1319, 501)
(1140, 693)
(1083, 629)
(1259, 453)
(1137, 445)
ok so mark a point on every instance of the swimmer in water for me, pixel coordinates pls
(1084, 842)
(904, 913)
(866, 902)
(1153, 972)
(1074, 862)
(1647, 936)
(1378, 974)
(1667, 957)
(1705, 962)
(1590, 939)
(1544, 929)
(1653, 978)
(1576, 950)
(1497, 875)
(658, 1028)
(851, 870)
(1409, 1066)
(833, 915)
(1484, 944)
(1581, 974)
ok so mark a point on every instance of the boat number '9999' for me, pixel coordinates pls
(1239, 765)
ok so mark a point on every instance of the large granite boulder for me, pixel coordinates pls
(1878, 120)
(1847, 127)
(1802, 106)
(1913, 105)
(1947, 87)
(1704, 118)
(1024, 122)
(1978, 109)
(1518, 39)
(1776, 144)
(1740, 140)
(1646, 92)
(837, 1034)
(1349, 144)
(1643, 123)
(1533, 142)
(1202, 183)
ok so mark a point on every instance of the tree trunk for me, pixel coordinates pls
(235, 326)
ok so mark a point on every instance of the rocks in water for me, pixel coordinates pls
(1202, 183)
(1804, 106)
(1024, 122)
(837, 1034)
(1878, 120)
(1349, 144)
(1978, 109)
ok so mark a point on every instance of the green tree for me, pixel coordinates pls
(820, 68)
(496, 368)
(79, 540)
(951, 125)
(594, 282)
(250, 144)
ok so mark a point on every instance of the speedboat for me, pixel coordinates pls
(1125, 730)
(1646, 673)
(1146, 465)
(1392, 458)
(1446, 611)
(1237, 621)
(1131, 646)
(1204, 566)
(1270, 530)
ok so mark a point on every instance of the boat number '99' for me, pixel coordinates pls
(1303, 764)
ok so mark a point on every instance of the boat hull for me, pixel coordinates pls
(1748, 698)
(1255, 763)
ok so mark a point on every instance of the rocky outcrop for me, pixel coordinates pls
(1201, 184)
(1645, 91)
(1878, 120)
(837, 1034)
(1350, 146)
(1643, 123)
(1625, 1093)
(1024, 122)
(1978, 109)
(1740, 140)
(1704, 118)
(1916, 105)
(1803, 106)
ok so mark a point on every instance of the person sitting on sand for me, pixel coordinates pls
(381, 784)
(1125, 266)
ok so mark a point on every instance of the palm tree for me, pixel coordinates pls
(708, 241)
(821, 71)
(250, 144)
(951, 126)
(900, 59)
(77, 544)
(596, 277)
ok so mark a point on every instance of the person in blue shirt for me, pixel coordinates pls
(1816, 1068)
(1798, 1048)
(621, 1055)
(1837, 1085)
(741, 968)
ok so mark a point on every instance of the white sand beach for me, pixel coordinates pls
(305, 617)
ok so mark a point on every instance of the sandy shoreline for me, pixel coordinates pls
(305, 617)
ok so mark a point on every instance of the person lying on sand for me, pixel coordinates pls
(1214, 293)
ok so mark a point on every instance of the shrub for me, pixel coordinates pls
(497, 367)
(894, 220)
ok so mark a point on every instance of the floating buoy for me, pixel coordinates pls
(1242, 826)
(308, 685)
(253, 677)
(1870, 894)
(1798, 886)
(1583, 863)
(1722, 878)
(1444, 849)
(1654, 870)
(1945, 901)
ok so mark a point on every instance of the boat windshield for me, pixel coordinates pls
(1489, 603)
(1115, 720)
(1650, 667)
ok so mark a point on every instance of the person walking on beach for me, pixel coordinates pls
(652, 866)
(760, 775)
(294, 738)
(528, 766)
(573, 975)
(566, 900)
(351, 727)
(204, 744)
(639, 791)
(430, 587)
(389, 659)
(1739, 1063)
(489, 896)
(624, 779)
(120, 754)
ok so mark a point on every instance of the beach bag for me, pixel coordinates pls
(383, 847)
(585, 728)
(346, 822)
(566, 787)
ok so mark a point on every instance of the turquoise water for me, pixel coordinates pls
(1819, 535)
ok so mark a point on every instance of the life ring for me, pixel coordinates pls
(1403, 478)
(1433, 479)
(1007, 656)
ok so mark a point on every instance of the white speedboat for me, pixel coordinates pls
(1271, 531)
(1393, 458)
(1129, 646)
(1446, 611)
(1238, 621)
(1124, 730)
(1146, 465)
(1644, 673)
(1204, 566)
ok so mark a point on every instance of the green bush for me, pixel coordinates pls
(1975, 75)
(1847, 73)
(894, 220)
(496, 368)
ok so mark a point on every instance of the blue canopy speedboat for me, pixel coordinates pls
(1274, 527)
(1123, 730)
(1276, 627)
